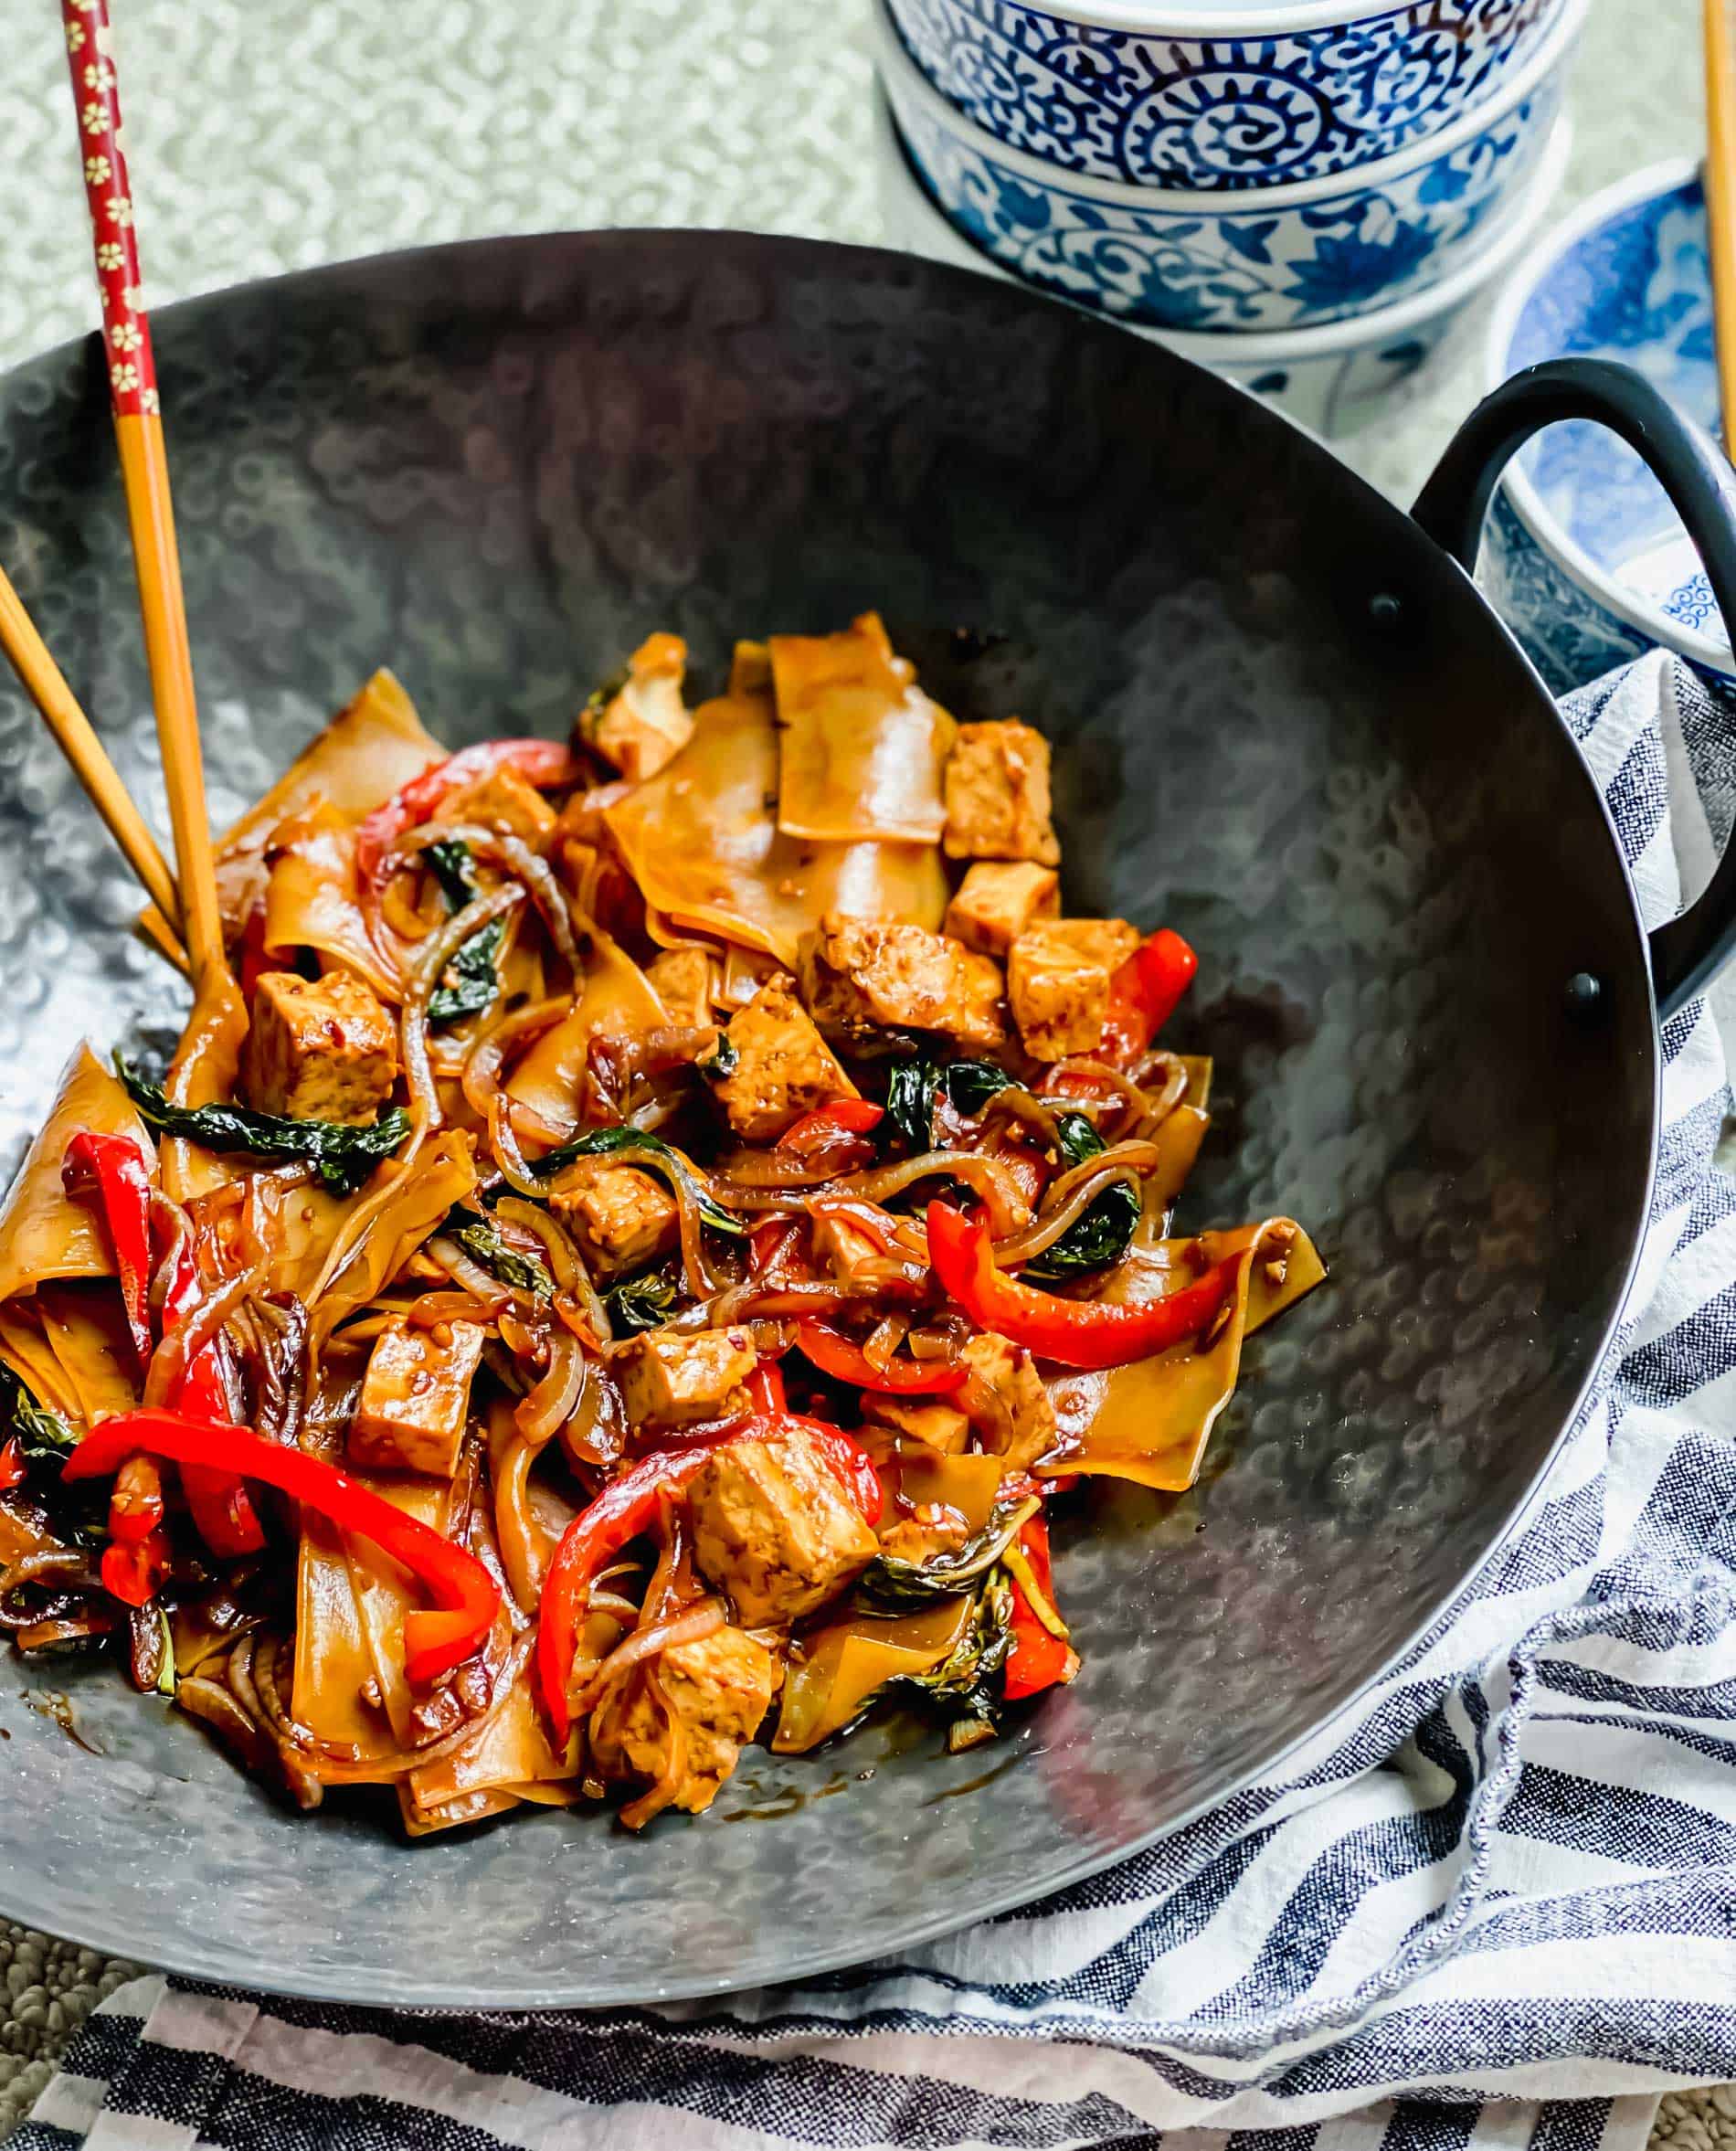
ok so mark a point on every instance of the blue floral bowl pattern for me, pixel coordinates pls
(1332, 379)
(1246, 109)
(1292, 258)
(1585, 556)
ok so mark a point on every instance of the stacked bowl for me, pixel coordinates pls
(1304, 193)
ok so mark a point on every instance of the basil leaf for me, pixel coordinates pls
(1102, 1233)
(45, 1442)
(723, 1060)
(910, 1100)
(965, 1684)
(608, 1143)
(890, 1584)
(345, 1156)
(969, 1084)
(450, 864)
(644, 1302)
(480, 1240)
(475, 981)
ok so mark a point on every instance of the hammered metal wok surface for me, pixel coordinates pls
(494, 468)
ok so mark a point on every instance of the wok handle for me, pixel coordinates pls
(1688, 951)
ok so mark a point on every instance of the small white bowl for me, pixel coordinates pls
(1583, 555)
(1244, 95)
(1330, 379)
(1283, 257)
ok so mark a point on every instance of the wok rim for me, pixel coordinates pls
(157, 1950)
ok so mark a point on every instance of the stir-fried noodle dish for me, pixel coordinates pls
(625, 1258)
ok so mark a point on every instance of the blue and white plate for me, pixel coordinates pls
(1235, 97)
(1291, 256)
(1584, 555)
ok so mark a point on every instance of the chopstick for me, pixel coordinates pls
(46, 684)
(144, 468)
(1720, 200)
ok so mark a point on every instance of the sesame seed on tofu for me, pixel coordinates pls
(997, 790)
(782, 1066)
(774, 1528)
(415, 1398)
(859, 978)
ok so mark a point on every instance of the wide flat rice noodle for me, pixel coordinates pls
(384, 1594)
(86, 1329)
(369, 750)
(861, 746)
(333, 1663)
(203, 1072)
(43, 1232)
(310, 899)
(443, 1173)
(25, 1347)
(842, 1665)
(513, 1749)
(618, 1000)
(1150, 1421)
(424, 1822)
(702, 841)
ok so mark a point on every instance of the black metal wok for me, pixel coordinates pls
(1286, 722)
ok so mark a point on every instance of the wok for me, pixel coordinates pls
(1286, 722)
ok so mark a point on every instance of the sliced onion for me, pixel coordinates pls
(431, 959)
(521, 862)
(697, 1621)
(482, 1293)
(637, 1813)
(986, 1176)
(488, 1056)
(187, 1337)
(567, 1265)
(556, 1397)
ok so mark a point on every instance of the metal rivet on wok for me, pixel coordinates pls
(1585, 994)
(1385, 610)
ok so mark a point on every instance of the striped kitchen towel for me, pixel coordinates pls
(1494, 1905)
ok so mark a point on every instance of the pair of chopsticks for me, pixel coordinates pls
(190, 903)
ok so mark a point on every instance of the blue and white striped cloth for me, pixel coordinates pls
(1496, 1907)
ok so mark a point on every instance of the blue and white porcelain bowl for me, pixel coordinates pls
(1583, 555)
(1292, 256)
(1331, 379)
(1250, 93)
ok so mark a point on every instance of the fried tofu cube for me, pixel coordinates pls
(680, 979)
(644, 724)
(719, 1688)
(319, 1049)
(782, 1066)
(859, 978)
(505, 799)
(774, 1528)
(841, 1250)
(415, 1398)
(997, 793)
(623, 1219)
(941, 1427)
(1059, 991)
(997, 900)
(673, 1381)
(1022, 1427)
(1107, 941)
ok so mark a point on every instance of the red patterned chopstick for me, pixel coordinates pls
(144, 468)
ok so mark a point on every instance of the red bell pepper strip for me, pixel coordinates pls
(114, 1166)
(1038, 1657)
(627, 1507)
(1073, 1333)
(825, 1124)
(220, 1503)
(135, 1501)
(765, 1388)
(466, 1597)
(835, 1355)
(1144, 991)
(11, 1464)
(132, 1571)
(544, 762)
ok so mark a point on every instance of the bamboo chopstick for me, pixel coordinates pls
(46, 684)
(144, 468)
(1720, 200)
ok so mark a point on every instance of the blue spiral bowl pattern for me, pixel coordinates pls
(1248, 110)
(1190, 263)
